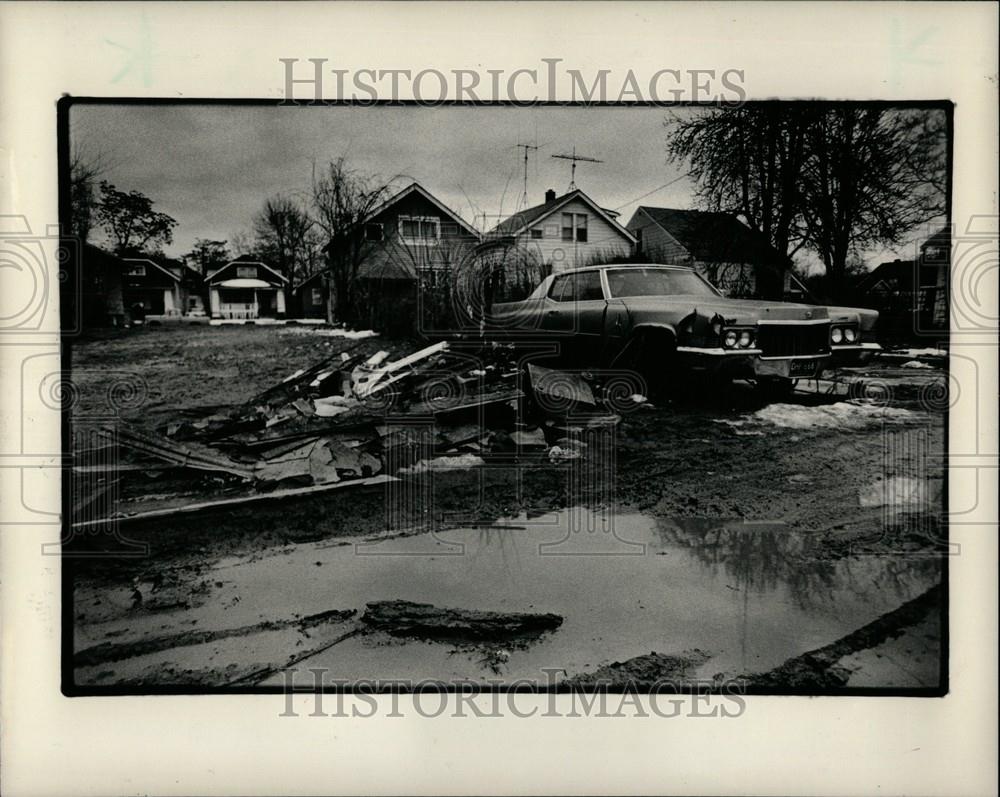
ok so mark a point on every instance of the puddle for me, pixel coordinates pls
(750, 595)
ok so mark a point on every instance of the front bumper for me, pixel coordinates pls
(751, 364)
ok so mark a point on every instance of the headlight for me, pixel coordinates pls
(850, 334)
(745, 339)
(836, 335)
(730, 340)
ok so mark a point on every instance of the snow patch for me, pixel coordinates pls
(842, 415)
(336, 332)
(461, 462)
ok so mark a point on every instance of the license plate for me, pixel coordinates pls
(802, 367)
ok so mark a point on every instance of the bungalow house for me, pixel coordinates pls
(151, 288)
(246, 289)
(739, 261)
(564, 232)
(411, 242)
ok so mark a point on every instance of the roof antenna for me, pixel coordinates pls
(574, 158)
(526, 147)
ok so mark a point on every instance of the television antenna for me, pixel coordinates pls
(526, 147)
(574, 158)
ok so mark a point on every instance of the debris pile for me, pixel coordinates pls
(351, 419)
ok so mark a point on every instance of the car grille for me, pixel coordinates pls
(792, 340)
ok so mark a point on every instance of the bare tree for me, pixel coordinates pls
(208, 255)
(833, 178)
(342, 200)
(873, 175)
(282, 232)
(84, 172)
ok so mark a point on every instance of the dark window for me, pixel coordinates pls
(137, 271)
(588, 286)
(537, 233)
(581, 228)
(246, 272)
(317, 296)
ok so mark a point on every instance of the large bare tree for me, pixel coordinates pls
(282, 232)
(342, 200)
(831, 178)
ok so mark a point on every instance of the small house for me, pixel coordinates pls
(152, 289)
(739, 261)
(246, 289)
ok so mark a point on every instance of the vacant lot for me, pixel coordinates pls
(750, 534)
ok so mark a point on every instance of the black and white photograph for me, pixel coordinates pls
(536, 397)
(569, 397)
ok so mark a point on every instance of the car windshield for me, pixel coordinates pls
(657, 282)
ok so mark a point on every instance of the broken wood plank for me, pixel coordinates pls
(188, 456)
(233, 503)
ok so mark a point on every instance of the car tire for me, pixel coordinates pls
(654, 357)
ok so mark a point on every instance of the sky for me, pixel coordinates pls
(212, 167)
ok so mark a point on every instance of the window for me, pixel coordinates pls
(373, 232)
(574, 227)
(567, 226)
(317, 297)
(246, 272)
(581, 287)
(537, 233)
(657, 282)
(561, 290)
(588, 286)
(137, 271)
(419, 229)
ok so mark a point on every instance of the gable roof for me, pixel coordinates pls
(146, 260)
(416, 188)
(713, 237)
(212, 277)
(519, 222)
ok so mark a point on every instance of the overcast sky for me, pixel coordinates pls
(212, 167)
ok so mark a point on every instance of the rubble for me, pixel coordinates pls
(349, 418)
(423, 620)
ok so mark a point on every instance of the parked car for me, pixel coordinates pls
(667, 320)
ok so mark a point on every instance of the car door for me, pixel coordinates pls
(591, 306)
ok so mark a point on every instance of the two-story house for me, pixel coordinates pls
(412, 243)
(564, 232)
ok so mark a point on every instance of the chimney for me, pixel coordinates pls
(550, 195)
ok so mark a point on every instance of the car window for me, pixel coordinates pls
(657, 282)
(588, 286)
(562, 289)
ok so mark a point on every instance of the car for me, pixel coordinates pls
(667, 320)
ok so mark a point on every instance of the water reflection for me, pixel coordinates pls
(760, 558)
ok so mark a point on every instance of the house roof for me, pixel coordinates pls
(419, 189)
(519, 222)
(147, 261)
(213, 276)
(897, 274)
(713, 237)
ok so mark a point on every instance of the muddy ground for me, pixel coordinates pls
(803, 521)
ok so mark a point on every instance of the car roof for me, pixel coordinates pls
(606, 266)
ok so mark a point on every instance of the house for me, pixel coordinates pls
(246, 289)
(100, 299)
(911, 295)
(410, 246)
(739, 261)
(564, 232)
(310, 297)
(152, 289)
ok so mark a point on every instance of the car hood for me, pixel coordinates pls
(734, 311)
